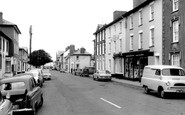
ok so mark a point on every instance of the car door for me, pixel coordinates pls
(156, 79)
(35, 93)
(5, 107)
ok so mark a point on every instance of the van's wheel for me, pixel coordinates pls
(147, 91)
(161, 93)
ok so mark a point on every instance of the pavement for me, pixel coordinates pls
(135, 84)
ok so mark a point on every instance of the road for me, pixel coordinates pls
(66, 94)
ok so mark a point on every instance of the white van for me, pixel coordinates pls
(163, 79)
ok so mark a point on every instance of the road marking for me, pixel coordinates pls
(110, 103)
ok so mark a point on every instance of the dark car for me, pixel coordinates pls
(78, 72)
(86, 71)
(23, 91)
(5, 105)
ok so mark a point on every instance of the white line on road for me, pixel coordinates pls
(110, 103)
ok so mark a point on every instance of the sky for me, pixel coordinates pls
(57, 24)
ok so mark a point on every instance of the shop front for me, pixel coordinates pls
(134, 63)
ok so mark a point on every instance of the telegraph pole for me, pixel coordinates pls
(30, 32)
(30, 38)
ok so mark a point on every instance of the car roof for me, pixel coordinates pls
(162, 66)
(16, 78)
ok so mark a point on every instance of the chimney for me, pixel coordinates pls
(137, 2)
(1, 17)
(117, 14)
(82, 50)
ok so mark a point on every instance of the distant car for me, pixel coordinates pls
(163, 79)
(46, 74)
(5, 106)
(86, 71)
(38, 76)
(23, 91)
(62, 70)
(78, 72)
(102, 75)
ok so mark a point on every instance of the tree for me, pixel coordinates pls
(39, 58)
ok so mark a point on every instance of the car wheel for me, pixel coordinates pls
(94, 78)
(161, 93)
(146, 90)
(41, 101)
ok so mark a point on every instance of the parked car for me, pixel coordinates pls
(46, 74)
(163, 79)
(86, 71)
(5, 106)
(38, 76)
(78, 72)
(102, 75)
(23, 91)
(62, 70)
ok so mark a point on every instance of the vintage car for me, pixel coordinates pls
(5, 106)
(37, 76)
(23, 91)
(102, 75)
(46, 74)
(86, 71)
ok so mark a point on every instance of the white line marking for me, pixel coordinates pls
(110, 103)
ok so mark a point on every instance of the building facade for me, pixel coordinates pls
(6, 54)
(23, 59)
(12, 31)
(80, 59)
(173, 32)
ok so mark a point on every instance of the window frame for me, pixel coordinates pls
(175, 5)
(152, 36)
(174, 31)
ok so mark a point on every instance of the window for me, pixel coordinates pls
(152, 11)
(0, 43)
(109, 47)
(175, 4)
(131, 42)
(77, 57)
(3, 45)
(140, 39)
(158, 72)
(120, 27)
(175, 59)
(120, 45)
(151, 37)
(0, 61)
(140, 18)
(176, 31)
(115, 29)
(114, 46)
(131, 22)
(110, 32)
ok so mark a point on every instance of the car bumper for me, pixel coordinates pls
(47, 77)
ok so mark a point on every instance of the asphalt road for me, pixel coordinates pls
(66, 94)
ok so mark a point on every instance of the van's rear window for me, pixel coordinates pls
(173, 72)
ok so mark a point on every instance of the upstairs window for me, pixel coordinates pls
(140, 39)
(151, 37)
(140, 17)
(131, 42)
(175, 4)
(175, 31)
(131, 22)
(120, 27)
(152, 11)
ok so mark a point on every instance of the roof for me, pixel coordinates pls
(23, 77)
(82, 54)
(125, 15)
(4, 35)
(162, 66)
(7, 23)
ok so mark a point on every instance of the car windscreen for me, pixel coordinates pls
(45, 70)
(173, 72)
(13, 86)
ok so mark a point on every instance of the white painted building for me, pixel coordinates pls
(80, 59)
